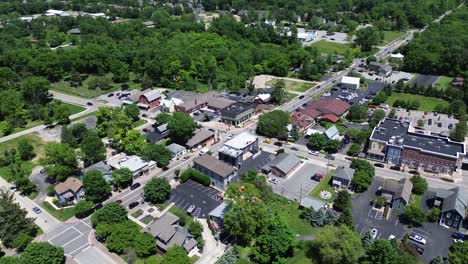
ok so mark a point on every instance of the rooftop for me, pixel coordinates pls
(219, 211)
(100, 166)
(285, 162)
(70, 184)
(183, 95)
(399, 133)
(401, 188)
(133, 163)
(456, 200)
(332, 132)
(329, 106)
(211, 163)
(344, 173)
(241, 141)
(200, 136)
(236, 108)
(175, 148)
(152, 95)
(350, 80)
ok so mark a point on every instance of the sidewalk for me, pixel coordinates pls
(213, 249)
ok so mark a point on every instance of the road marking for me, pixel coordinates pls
(370, 210)
(70, 241)
(66, 230)
(186, 206)
(85, 247)
(422, 231)
(77, 230)
(396, 222)
(86, 224)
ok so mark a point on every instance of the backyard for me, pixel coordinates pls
(328, 47)
(62, 215)
(390, 36)
(324, 185)
(290, 213)
(426, 103)
(293, 85)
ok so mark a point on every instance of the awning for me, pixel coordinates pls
(335, 182)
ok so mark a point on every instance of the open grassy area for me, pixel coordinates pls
(139, 123)
(443, 82)
(292, 85)
(36, 141)
(290, 213)
(7, 174)
(426, 103)
(300, 255)
(74, 109)
(328, 47)
(390, 36)
(185, 219)
(324, 185)
(29, 125)
(83, 116)
(62, 215)
(288, 97)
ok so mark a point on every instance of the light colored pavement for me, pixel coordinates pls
(44, 220)
(213, 249)
(260, 81)
(94, 255)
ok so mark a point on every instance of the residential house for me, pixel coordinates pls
(177, 150)
(396, 142)
(74, 31)
(201, 138)
(453, 204)
(149, 99)
(238, 113)
(160, 132)
(220, 173)
(381, 69)
(169, 233)
(301, 120)
(306, 35)
(310, 202)
(135, 164)
(168, 105)
(397, 193)
(216, 217)
(332, 133)
(348, 82)
(284, 165)
(102, 167)
(70, 191)
(342, 177)
(240, 148)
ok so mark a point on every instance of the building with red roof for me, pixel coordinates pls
(330, 117)
(330, 106)
(301, 120)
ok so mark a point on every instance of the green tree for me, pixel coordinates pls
(11, 260)
(21, 241)
(367, 240)
(95, 186)
(43, 253)
(419, 184)
(181, 126)
(66, 137)
(83, 208)
(144, 244)
(158, 153)
(413, 214)
(275, 243)
(346, 218)
(332, 145)
(35, 90)
(420, 123)
(176, 255)
(317, 141)
(457, 253)
(25, 149)
(79, 132)
(356, 113)
(278, 92)
(361, 181)
(363, 165)
(342, 201)
(382, 251)
(366, 38)
(157, 190)
(59, 161)
(92, 149)
(337, 245)
(354, 149)
(133, 142)
(111, 213)
(273, 124)
(132, 111)
(378, 115)
(434, 214)
(122, 177)
(55, 38)
(195, 175)
(163, 118)
(121, 236)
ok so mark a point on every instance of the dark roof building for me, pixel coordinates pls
(453, 204)
(238, 113)
(221, 173)
(284, 164)
(200, 138)
(343, 177)
(397, 193)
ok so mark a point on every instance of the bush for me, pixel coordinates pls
(55, 201)
(83, 208)
(379, 201)
(50, 190)
(21, 241)
(354, 149)
(434, 214)
(419, 185)
(195, 175)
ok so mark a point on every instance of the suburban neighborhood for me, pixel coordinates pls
(241, 132)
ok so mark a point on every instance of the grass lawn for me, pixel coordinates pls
(292, 85)
(139, 123)
(417, 199)
(328, 47)
(324, 185)
(443, 82)
(74, 109)
(184, 217)
(33, 195)
(62, 215)
(29, 125)
(300, 255)
(288, 97)
(290, 213)
(426, 103)
(83, 116)
(194, 258)
(137, 213)
(389, 36)
(5, 172)
(36, 141)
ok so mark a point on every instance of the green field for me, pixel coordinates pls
(426, 103)
(289, 212)
(324, 185)
(443, 82)
(139, 123)
(390, 36)
(62, 215)
(36, 141)
(74, 109)
(292, 85)
(328, 47)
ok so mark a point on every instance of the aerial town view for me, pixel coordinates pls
(233, 132)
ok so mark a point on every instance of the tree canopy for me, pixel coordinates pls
(43, 253)
(181, 126)
(59, 161)
(111, 213)
(273, 124)
(157, 190)
(95, 186)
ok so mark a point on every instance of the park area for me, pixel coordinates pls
(292, 85)
(330, 47)
(427, 104)
(390, 36)
(443, 82)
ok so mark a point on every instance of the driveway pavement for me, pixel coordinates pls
(40, 180)
(72, 237)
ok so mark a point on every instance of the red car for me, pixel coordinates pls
(317, 176)
(119, 201)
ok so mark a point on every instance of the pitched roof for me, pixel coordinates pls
(344, 173)
(401, 188)
(219, 211)
(161, 224)
(457, 201)
(310, 111)
(330, 117)
(329, 106)
(200, 136)
(211, 163)
(301, 120)
(175, 148)
(285, 162)
(332, 132)
(152, 95)
(100, 166)
(71, 184)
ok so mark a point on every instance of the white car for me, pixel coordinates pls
(374, 233)
(314, 153)
(274, 181)
(418, 239)
(391, 237)
(457, 241)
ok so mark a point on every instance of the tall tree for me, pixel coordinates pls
(181, 126)
(35, 90)
(133, 142)
(176, 255)
(366, 38)
(157, 190)
(158, 153)
(278, 92)
(273, 124)
(25, 149)
(95, 186)
(59, 161)
(122, 177)
(92, 148)
(111, 213)
(43, 253)
(419, 185)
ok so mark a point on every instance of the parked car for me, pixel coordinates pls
(380, 165)
(317, 176)
(300, 97)
(395, 168)
(110, 95)
(133, 205)
(97, 206)
(304, 104)
(279, 144)
(294, 148)
(134, 186)
(458, 235)
(13, 188)
(330, 157)
(37, 210)
(418, 239)
(458, 241)
(89, 103)
(119, 201)
(314, 153)
(274, 181)
(374, 233)
(391, 237)
(414, 172)
(42, 171)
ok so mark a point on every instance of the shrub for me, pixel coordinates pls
(50, 190)
(83, 208)
(55, 201)
(379, 201)
(434, 214)
(21, 241)
(195, 175)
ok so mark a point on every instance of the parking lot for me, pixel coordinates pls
(72, 237)
(337, 37)
(438, 123)
(300, 183)
(192, 194)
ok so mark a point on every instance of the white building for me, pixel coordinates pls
(350, 82)
(306, 36)
(168, 105)
(135, 164)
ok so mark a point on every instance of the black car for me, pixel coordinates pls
(304, 104)
(89, 103)
(279, 144)
(134, 186)
(110, 95)
(300, 97)
(133, 205)
(97, 206)
(380, 165)
(294, 148)
(395, 168)
(414, 172)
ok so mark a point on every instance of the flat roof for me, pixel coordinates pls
(241, 141)
(214, 165)
(350, 80)
(399, 133)
(236, 108)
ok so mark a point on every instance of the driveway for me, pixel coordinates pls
(40, 180)
(438, 240)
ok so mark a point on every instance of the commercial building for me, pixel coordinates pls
(397, 142)
(284, 165)
(200, 138)
(240, 148)
(149, 99)
(380, 69)
(211, 100)
(237, 113)
(135, 164)
(220, 173)
(350, 82)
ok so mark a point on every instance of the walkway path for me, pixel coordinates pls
(213, 249)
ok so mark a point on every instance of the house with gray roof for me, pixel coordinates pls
(310, 202)
(169, 233)
(397, 193)
(200, 138)
(332, 133)
(342, 177)
(284, 164)
(220, 173)
(453, 204)
(135, 164)
(177, 150)
(102, 167)
(217, 216)
(149, 99)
